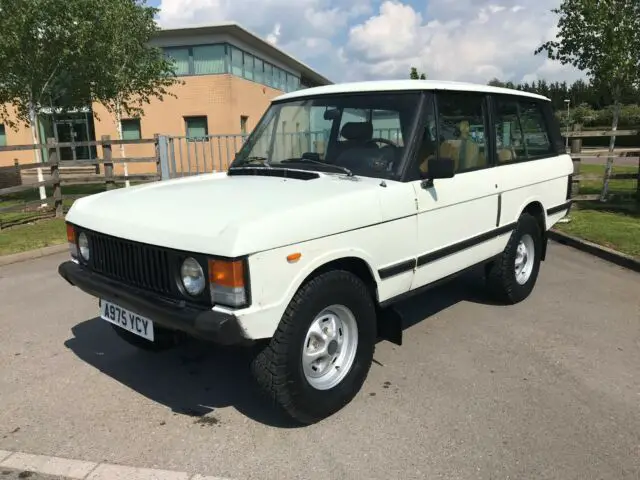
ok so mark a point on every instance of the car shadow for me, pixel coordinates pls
(197, 378)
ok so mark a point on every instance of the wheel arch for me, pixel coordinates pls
(350, 263)
(537, 211)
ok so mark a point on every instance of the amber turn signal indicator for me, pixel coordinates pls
(226, 273)
(294, 257)
(71, 234)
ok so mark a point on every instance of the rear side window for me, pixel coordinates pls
(521, 130)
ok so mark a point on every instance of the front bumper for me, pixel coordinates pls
(218, 327)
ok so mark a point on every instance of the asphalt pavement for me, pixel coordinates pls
(547, 389)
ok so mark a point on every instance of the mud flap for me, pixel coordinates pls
(390, 323)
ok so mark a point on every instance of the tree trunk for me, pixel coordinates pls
(612, 144)
(122, 150)
(33, 120)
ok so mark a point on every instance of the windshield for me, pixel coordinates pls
(359, 134)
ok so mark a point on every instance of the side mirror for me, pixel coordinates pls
(438, 168)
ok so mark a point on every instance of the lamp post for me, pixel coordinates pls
(566, 143)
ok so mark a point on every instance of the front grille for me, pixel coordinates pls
(138, 265)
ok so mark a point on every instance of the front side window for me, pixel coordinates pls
(332, 132)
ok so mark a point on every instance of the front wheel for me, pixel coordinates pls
(321, 353)
(514, 274)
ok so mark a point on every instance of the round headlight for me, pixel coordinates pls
(192, 277)
(83, 244)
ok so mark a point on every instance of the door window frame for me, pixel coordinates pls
(430, 106)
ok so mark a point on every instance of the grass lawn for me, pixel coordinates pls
(42, 233)
(618, 188)
(617, 230)
(19, 216)
(615, 223)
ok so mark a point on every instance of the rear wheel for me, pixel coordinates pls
(321, 353)
(514, 274)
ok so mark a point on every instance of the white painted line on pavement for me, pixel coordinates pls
(119, 472)
(81, 470)
(49, 465)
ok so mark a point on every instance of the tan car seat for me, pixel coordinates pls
(464, 151)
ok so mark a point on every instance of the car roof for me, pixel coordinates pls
(403, 85)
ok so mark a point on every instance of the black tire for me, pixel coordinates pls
(501, 275)
(164, 339)
(278, 367)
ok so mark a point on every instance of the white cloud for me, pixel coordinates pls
(467, 40)
(471, 40)
(275, 33)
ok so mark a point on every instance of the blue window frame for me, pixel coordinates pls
(225, 58)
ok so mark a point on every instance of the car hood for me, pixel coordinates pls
(231, 215)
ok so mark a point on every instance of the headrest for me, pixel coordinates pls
(357, 131)
(464, 128)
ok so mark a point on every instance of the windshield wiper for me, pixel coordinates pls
(318, 162)
(257, 159)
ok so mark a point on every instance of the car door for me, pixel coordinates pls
(456, 216)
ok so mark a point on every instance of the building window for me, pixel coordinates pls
(268, 74)
(208, 59)
(196, 127)
(131, 129)
(3, 136)
(258, 70)
(248, 66)
(236, 62)
(180, 58)
(243, 124)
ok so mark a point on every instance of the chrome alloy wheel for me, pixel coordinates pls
(330, 347)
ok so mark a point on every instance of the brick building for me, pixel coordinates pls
(229, 76)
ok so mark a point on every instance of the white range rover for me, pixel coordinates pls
(343, 200)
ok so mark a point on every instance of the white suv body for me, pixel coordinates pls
(320, 224)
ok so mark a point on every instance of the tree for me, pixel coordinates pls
(415, 76)
(601, 38)
(72, 53)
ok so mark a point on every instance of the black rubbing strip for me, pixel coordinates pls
(499, 210)
(458, 247)
(559, 208)
(397, 269)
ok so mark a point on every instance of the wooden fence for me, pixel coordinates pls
(104, 172)
(619, 156)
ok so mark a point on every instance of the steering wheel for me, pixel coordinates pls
(383, 140)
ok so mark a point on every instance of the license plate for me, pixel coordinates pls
(126, 319)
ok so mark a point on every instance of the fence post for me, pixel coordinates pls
(576, 147)
(55, 175)
(163, 156)
(108, 161)
(638, 182)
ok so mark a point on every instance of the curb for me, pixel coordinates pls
(608, 254)
(32, 254)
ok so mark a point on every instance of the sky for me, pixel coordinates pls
(353, 40)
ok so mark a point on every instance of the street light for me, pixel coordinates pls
(566, 143)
